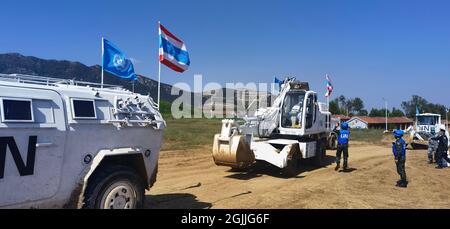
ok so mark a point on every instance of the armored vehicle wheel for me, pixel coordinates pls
(319, 159)
(115, 187)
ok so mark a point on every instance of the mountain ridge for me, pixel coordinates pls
(11, 63)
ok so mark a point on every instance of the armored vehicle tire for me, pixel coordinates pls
(319, 159)
(292, 167)
(115, 187)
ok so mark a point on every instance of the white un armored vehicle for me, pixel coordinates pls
(296, 127)
(68, 144)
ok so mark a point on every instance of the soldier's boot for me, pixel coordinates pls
(403, 184)
(337, 166)
(400, 183)
(345, 165)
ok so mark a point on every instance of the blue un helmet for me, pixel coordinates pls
(344, 126)
(398, 133)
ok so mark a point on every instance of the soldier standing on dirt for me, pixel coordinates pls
(399, 150)
(342, 147)
(442, 148)
(432, 147)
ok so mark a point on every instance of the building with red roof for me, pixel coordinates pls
(364, 122)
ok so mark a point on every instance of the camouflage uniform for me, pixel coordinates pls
(399, 150)
(432, 149)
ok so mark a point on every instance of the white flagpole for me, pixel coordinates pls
(446, 117)
(103, 53)
(328, 94)
(159, 68)
(328, 102)
(159, 83)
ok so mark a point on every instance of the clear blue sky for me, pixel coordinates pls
(371, 48)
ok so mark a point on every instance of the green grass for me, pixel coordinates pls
(371, 136)
(187, 133)
(190, 133)
(165, 109)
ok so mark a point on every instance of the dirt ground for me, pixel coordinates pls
(190, 180)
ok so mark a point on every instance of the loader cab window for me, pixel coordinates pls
(17, 110)
(292, 110)
(310, 111)
(83, 109)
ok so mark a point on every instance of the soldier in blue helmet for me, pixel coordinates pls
(342, 147)
(399, 150)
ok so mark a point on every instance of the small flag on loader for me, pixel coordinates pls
(329, 86)
(277, 81)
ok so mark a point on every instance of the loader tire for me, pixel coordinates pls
(319, 159)
(238, 169)
(114, 186)
(332, 142)
(292, 167)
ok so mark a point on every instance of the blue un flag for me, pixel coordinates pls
(116, 63)
(277, 81)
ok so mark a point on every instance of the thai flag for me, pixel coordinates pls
(329, 87)
(172, 51)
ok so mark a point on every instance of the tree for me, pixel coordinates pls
(334, 107)
(363, 112)
(397, 113)
(356, 105)
(342, 105)
(378, 112)
(342, 101)
(374, 112)
(423, 105)
(410, 106)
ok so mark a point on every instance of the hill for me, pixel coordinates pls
(16, 63)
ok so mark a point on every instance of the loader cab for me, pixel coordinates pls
(311, 110)
(299, 110)
(292, 111)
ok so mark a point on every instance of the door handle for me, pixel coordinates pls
(44, 144)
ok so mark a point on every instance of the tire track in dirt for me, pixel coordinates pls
(189, 179)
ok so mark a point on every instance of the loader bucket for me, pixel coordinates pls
(233, 152)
